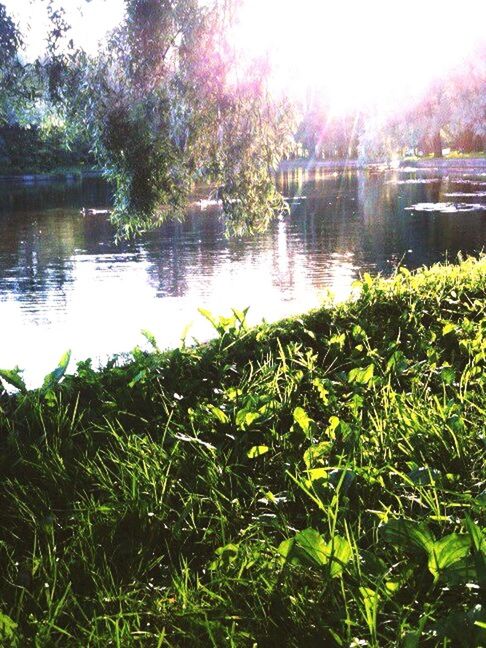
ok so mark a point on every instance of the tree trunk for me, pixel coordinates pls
(437, 144)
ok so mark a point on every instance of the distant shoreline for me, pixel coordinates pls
(286, 165)
(424, 163)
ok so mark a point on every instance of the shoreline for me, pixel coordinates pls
(285, 165)
(425, 163)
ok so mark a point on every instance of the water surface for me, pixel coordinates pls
(64, 284)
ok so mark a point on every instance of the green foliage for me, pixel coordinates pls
(246, 491)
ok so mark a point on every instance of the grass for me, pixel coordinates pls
(317, 482)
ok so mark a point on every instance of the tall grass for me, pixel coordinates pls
(317, 482)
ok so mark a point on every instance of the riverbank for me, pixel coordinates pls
(286, 165)
(454, 162)
(68, 175)
(445, 163)
(319, 481)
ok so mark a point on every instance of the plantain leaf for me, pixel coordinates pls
(257, 451)
(55, 376)
(361, 376)
(408, 534)
(339, 553)
(150, 337)
(447, 551)
(14, 378)
(302, 419)
(308, 547)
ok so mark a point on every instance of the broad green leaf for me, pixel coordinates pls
(245, 417)
(333, 425)
(408, 534)
(361, 376)
(322, 391)
(339, 553)
(225, 556)
(210, 317)
(478, 541)
(448, 375)
(55, 376)
(302, 419)
(476, 535)
(8, 627)
(317, 473)
(285, 548)
(257, 451)
(229, 548)
(138, 378)
(150, 337)
(448, 328)
(338, 340)
(461, 572)
(307, 547)
(447, 551)
(411, 640)
(464, 629)
(317, 453)
(14, 378)
(218, 414)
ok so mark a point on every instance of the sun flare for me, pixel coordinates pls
(359, 54)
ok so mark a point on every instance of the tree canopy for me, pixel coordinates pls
(167, 104)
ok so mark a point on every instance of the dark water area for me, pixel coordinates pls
(64, 284)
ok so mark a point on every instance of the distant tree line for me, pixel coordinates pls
(34, 137)
(451, 113)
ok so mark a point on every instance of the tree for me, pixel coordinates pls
(10, 68)
(168, 102)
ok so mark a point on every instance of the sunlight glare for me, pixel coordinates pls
(358, 54)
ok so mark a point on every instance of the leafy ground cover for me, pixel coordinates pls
(316, 482)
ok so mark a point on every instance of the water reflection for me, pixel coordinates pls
(64, 284)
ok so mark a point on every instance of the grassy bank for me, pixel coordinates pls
(318, 482)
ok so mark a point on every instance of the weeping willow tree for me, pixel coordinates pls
(169, 102)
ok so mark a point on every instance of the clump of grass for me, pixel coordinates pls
(317, 482)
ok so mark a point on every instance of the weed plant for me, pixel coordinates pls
(315, 482)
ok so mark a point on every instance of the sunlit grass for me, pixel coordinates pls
(317, 482)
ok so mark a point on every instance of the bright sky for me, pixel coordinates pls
(356, 52)
(361, 51)
(90, 21)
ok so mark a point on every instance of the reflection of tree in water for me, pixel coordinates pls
(324, 228)
(39, 240)
(343, 222)
(42, 195)
(179, 251)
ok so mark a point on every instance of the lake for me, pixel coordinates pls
(64, 284)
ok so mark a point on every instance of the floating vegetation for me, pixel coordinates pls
(446, 208)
